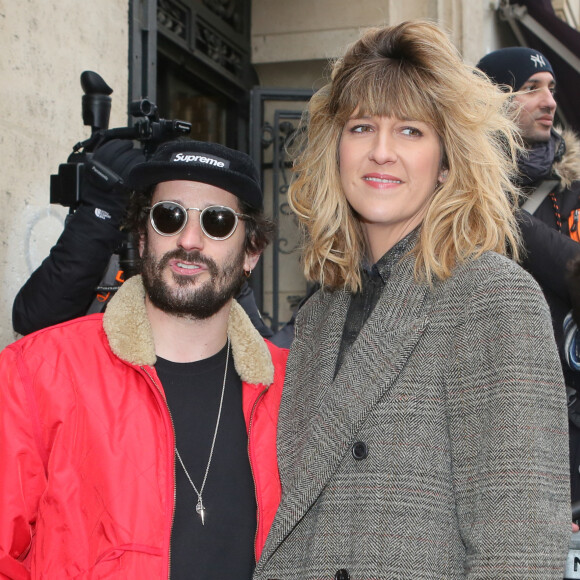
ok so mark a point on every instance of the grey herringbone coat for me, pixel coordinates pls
(457, 393)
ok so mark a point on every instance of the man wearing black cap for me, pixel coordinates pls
(92, 257)
(141, 443)
(550, 216)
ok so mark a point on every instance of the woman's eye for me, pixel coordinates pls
(360, 128)
(412, 131)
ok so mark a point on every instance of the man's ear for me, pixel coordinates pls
(251, 261)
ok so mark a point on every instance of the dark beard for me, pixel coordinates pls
(185, 300)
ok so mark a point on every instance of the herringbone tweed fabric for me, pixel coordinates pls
(458, 394)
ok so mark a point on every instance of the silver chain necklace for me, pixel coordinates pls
(199, 508)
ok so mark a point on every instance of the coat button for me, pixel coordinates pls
(342, 574)
(360, 450)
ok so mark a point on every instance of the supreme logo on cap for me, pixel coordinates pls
(200, 158)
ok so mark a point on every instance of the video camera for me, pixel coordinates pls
(66, 188)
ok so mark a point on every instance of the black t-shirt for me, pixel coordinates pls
(224, 546)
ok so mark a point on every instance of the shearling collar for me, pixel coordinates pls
(130, 336)
(568, 168)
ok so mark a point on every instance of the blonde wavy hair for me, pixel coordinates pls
(410, 71)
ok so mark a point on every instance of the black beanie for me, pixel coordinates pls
(209, 163)
(513, 66)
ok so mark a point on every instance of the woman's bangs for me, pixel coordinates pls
(389, 92)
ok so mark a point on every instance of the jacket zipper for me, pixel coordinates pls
(574, 227)
(259, 397)
(172, 466)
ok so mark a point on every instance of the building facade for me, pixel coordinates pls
(240, 71)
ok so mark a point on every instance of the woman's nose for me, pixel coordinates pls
(383, 149)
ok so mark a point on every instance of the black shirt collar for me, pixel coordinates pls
(384, 266)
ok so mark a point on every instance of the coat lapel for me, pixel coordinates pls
(320, 415)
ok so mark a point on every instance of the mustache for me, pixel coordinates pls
(195, 256)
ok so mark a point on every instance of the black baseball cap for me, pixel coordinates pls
(201, 161)
(514, 65)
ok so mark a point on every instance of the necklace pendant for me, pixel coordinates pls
(201, 511)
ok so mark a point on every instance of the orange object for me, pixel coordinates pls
(573, 226)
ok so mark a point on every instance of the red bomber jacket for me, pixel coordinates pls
(87, 444)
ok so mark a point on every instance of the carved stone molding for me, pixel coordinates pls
(217, 48)
(230, 11)
(173, 17)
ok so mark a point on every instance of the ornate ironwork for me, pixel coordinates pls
(267, 135)
(173, 17)
(276, 116)
(287, 132)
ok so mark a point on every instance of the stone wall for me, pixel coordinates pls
(45, 46)
(304, 30)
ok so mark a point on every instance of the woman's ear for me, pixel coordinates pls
(443, 175)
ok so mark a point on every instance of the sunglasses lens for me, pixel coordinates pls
(168, 217)
(218, 222)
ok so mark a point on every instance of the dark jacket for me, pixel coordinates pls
(548, 250)
(63, 286)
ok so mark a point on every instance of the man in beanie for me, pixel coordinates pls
(140, 443)
(550, 211)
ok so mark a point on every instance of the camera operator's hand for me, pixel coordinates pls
(63, 286)
(103, 188)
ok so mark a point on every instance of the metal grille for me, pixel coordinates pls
(275, 122)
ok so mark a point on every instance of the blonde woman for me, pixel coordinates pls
(423, 428)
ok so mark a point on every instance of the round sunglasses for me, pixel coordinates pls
(217, 222)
